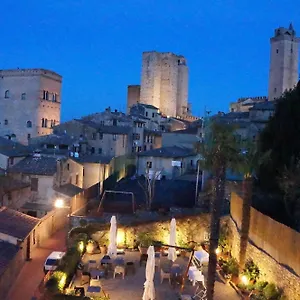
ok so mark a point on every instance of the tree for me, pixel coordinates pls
(289, 183)
(250, 159)
(281, 138)
(220, 152)
(148, 185)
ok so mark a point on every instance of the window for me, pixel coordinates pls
(146, 114)
(76, 179)
(44, 94)
(100, 151)
(43, 122)
(11, 161)
(149, 164)
(13, 136)
(145, 147)
(136, 136)
(5, 122)
(28, 136)
(46, 123)
(192, 163)
(68, 167)
(114, 137)
(115, 122)
(23, 96)
(291, 50)
(275, 90)
(277, 50)
(54, 97)
(94, 136)
(6, 94)
(47, 96)
(100, 136)
(29, 124)
(83, 172)
(153, 115)
(139, 148)
(93, 150)
(34, 184)
(101, 123)
(9, 197)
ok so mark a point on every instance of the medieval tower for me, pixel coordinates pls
(30, 101)
(284, 62)
(164, 82)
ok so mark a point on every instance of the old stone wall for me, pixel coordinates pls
(271, 270)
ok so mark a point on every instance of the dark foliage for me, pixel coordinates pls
(281, 136)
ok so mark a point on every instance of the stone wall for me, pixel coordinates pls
(271, 270)
(194, 228)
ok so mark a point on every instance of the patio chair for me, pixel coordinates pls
(92, 265)
(200, 293)
(119, 270)
(157, 259)
(164, 275)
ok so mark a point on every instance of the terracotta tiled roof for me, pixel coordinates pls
(7, 253)
(15, 223)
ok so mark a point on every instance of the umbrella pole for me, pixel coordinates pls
(186, 271)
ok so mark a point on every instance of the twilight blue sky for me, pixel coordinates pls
(96, 45)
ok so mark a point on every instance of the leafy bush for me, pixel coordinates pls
(271, 292)
(223, 239)
(260, 285)
(144, 239)
(248, 287)
(251, 270)
(231, 267)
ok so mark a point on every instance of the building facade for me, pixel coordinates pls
(164, 82)
(284, 62)
(133, 95)
(30, 101)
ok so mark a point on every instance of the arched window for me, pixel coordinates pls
(13, 136)
(29, 124)
(5, 122)
(43, 122)
(47, 95)
(46, 123)
(6, 94)
(23, 96)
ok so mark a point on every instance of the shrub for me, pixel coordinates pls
(271, 292)
(260, 285)
(144, 239)
(251, 270)
(231, 267)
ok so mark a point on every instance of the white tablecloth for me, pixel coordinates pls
(195, 275)
(202, 256)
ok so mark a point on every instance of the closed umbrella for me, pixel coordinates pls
(149, 291)
(172, 241)
(112, 247)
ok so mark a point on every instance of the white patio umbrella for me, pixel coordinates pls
(172, 241)
(112, 247)
(149, 290)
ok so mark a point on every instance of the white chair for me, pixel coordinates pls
(119, 270)
(164, 275)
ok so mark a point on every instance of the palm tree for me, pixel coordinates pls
(250, 160)
(219, 152)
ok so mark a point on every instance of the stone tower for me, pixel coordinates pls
(30, 101)
(164, 82)
(284, 62)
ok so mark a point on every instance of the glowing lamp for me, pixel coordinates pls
(81, 246)
(120, 237)
(59, 203)
(218, 251)
(244, 279)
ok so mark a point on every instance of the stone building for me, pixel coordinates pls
(30, 101)
(164, 82)
(284, 62)
(245, 103)
(133, 95)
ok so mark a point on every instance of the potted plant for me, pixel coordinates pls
(230, 270)
(251, 271)
(90, 247)
(144, 240)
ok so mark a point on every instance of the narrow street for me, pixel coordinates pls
(32, 273)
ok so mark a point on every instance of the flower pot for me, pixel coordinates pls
(103, 250)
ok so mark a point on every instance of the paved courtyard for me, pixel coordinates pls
(131, 287)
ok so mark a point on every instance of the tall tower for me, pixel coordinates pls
(164, 82)
(284, 62)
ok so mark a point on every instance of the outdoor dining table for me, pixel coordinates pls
(97, 273)
(93, 291)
